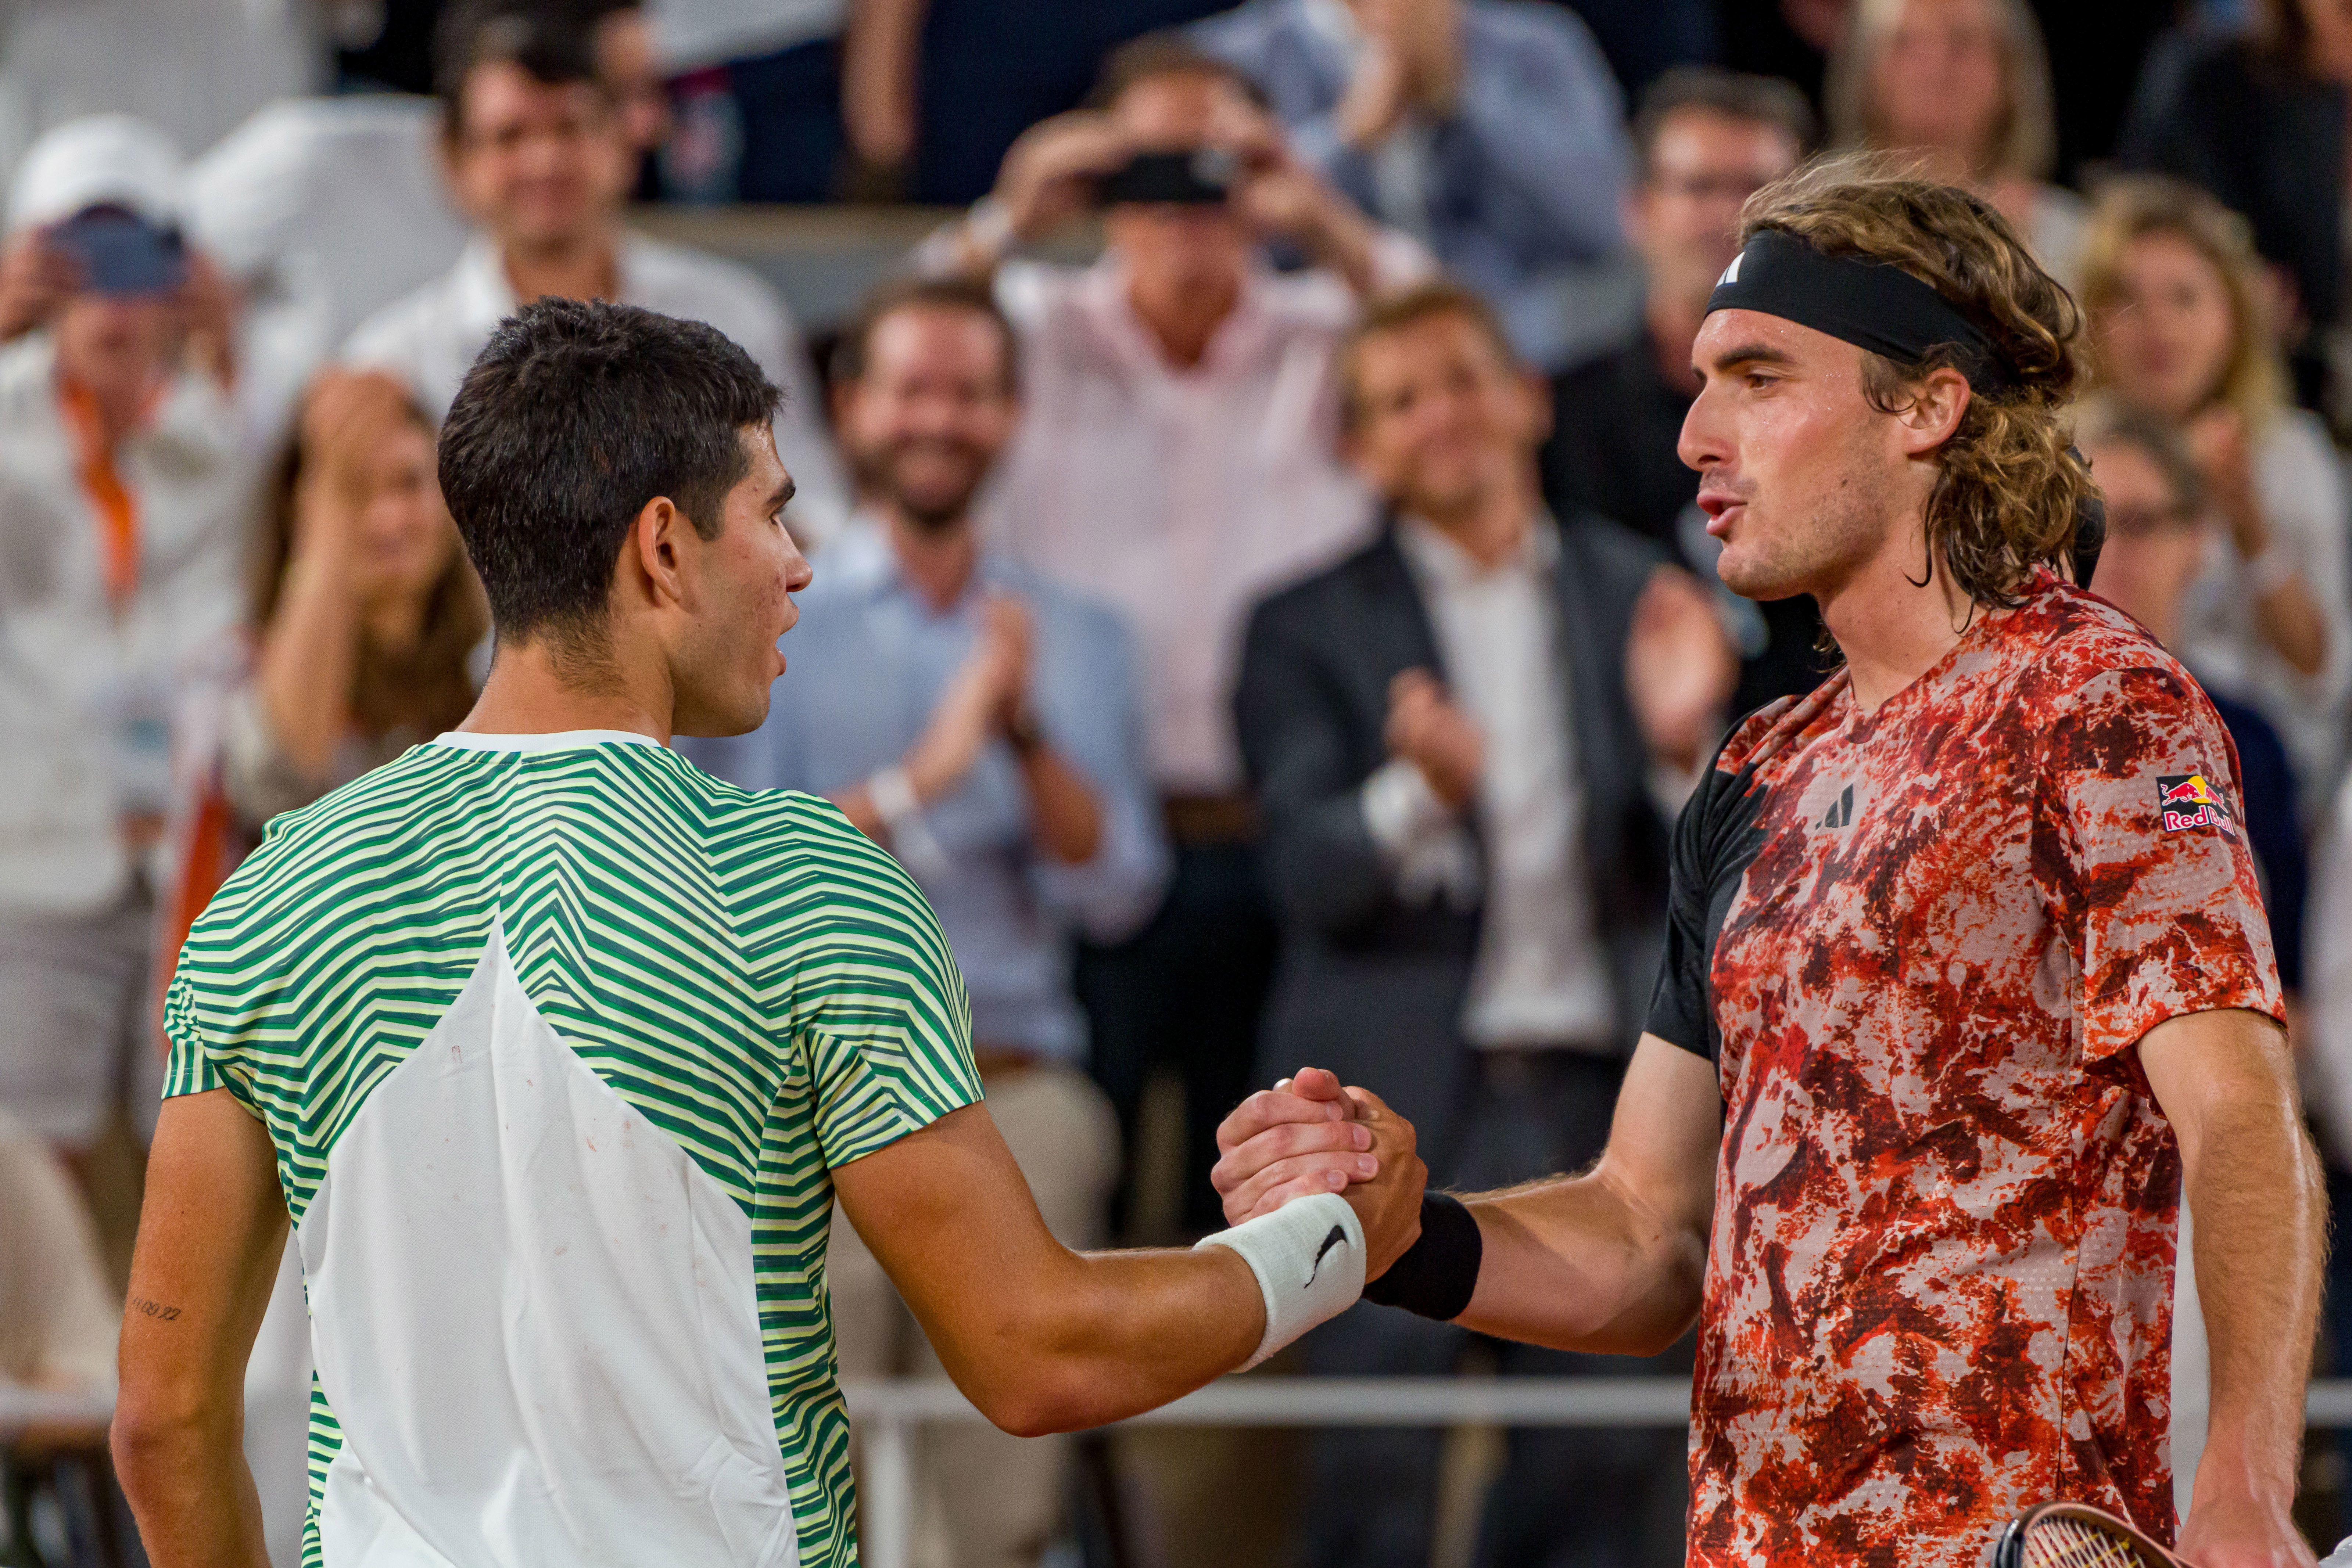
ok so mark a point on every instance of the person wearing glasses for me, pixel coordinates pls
(1706, 139)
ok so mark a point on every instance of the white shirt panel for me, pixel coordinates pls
(536, 1319)
(1540, 977)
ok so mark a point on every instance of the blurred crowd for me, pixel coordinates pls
(1287, 637)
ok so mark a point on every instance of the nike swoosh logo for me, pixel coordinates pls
(1339, 1238)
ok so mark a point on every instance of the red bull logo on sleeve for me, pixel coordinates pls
(2186, 800)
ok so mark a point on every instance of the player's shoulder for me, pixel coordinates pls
(388, 837)
(2069, 652)
(1763, 744)
(1372, 571)
(766, 845)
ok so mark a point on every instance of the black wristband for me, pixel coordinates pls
(1437, 1273)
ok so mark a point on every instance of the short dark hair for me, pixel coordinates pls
(852, 350)
(1733, 94)
(554, 42)
(575, 416)
(1409, 308)
(1164, 53)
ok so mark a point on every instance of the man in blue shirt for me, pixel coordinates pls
(981, 723)
(1491, 131)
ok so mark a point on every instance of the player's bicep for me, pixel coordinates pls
(1666, 1135)
(2205, 1067)
(949, 1218)
(212, 1230)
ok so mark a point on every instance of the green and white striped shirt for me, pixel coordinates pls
(543, 1335)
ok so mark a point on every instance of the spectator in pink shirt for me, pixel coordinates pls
(1177, 459)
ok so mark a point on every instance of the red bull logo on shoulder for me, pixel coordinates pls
(2186, 800)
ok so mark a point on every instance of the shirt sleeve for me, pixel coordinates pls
(876, 1002)
(1680, 1008)
(2144, 858)
(194, 1064)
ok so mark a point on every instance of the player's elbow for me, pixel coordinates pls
(1038, 1405)
(154, 1433)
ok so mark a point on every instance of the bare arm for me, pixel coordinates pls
(1061, 806)
(210, 1236)
(878, 53)
(1043, 1339)
(2226, 1081)
(1609, 1261)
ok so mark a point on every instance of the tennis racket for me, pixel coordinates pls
(2076, 1535)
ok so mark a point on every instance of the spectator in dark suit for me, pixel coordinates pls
(1465, 741)
(2259, 120)
(1706, 139)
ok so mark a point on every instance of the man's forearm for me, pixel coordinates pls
(190, 1490)
(1576, 1264)
(2261, 1237)
(1115, 1333)
(1061, 806)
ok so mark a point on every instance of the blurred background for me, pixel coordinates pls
(1116, 334)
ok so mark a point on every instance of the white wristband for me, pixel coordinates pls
(1308, 1257)
(901, 810)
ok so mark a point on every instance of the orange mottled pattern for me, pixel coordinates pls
(1939, 1286)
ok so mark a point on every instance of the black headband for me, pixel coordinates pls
(1873, 304)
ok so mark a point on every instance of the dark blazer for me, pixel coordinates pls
(1371, 986)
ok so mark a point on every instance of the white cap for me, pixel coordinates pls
(100, 159)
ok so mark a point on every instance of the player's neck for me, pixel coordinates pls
(937, 559)
(577, 266)
(1891, 622)
(538, 688)
(1490, 524)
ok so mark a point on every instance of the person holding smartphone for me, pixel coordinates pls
(125, 482)
(1178, 459)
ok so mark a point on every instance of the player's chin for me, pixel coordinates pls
(1747, 574)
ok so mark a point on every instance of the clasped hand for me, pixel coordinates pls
(1310, 1134)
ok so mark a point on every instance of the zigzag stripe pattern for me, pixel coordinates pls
(751, 972)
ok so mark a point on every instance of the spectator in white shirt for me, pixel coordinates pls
(1176, 459)
(125, 482)
(539, 156)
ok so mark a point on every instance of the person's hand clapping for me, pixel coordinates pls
(1680, 668)
(1411, 60)
(1427, 730)
(1011, 641)
(985, 689)
(2218, 444)
(36, 280)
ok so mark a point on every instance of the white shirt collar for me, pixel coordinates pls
(1433, 554)
(554, 741)
(484, 295)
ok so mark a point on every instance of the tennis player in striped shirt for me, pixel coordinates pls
(556, 1051)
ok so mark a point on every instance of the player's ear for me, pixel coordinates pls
(659, 549)
(1932, 414)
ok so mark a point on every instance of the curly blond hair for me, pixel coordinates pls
(2011, 487)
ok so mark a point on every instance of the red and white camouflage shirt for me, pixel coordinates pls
(1920, 943)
